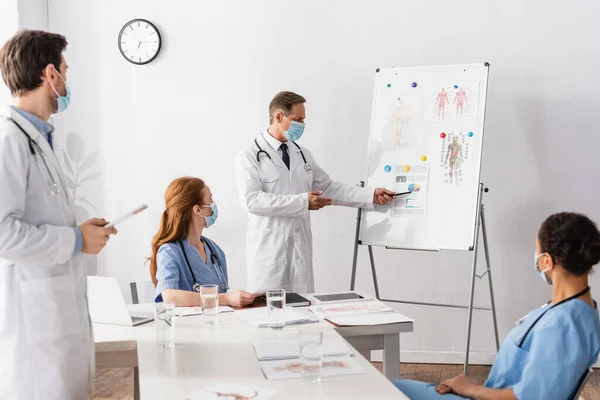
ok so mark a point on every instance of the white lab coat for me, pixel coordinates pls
(279, 238)
(46, 343)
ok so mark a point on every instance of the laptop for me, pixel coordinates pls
(107, 305)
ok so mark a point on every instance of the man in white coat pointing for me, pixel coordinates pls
(279, 183)
(47, 350)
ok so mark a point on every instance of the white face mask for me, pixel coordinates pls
(541, 273)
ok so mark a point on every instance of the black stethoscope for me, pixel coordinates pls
(215, 262)
(307, 166)
(54, 188)
(520, 321)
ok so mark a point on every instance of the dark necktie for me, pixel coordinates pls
(285, 155)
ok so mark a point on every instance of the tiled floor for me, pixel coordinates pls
(117, 383)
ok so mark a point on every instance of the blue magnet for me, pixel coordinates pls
(455, 86)
(387, 168)
(414, 84)
(470, 134)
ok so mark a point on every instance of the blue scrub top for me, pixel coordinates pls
(556, 353)
(558, 350)
(173, 272)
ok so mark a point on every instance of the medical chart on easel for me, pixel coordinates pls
(426, 138)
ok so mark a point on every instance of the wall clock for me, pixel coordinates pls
(139, 41)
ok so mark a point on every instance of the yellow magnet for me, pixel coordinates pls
(406, 168)
(423, 158)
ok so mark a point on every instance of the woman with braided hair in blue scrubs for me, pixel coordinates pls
(551, 348)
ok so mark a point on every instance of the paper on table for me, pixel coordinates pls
(224, 391)
(358, 307)
(185, 311)
(368, 319)
(291, 369)
(260, 317)
(290, 349)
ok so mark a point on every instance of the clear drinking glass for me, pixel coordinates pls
(209, 300)
(164, 320)
(311, 354)
(276, 307)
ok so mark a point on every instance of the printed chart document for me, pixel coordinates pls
(354, 308)
(292, 369)
(290, 349)
(260, 316)
(225, 390)
(185, 311)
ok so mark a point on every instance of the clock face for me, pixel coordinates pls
(139, 41)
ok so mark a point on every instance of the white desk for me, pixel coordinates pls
(379, 337)
(204, 354)
(363, 338)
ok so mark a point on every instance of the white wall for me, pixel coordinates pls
(206, 96)
(33, 14)
(9, 22)
(15, 15)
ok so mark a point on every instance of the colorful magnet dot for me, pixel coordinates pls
(406, 168)
(455, 86)
(443, 135)
(423, 158)
(389, 85)
(470, 134)
(387, 168)
(414, 84)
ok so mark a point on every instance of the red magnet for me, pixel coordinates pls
(443, 135)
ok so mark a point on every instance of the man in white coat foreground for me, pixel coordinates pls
(279, 183)
(46, 344)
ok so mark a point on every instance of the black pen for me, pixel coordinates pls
(401, 194)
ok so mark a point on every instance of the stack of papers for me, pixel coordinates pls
(290, 349)
(260, 317)
(224, 390)
(359, 313)
(351, 308)
(292, 369)
(369, 319)
(185, 311)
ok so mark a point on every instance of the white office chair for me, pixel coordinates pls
(142, 292)
(584, 379)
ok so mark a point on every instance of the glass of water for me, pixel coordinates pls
(164, 320)
(209, 300)
(276, 307)
(311, 354)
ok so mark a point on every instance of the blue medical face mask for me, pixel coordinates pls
(211, 219)
(542, 273)
(295, 131)
(62, 101)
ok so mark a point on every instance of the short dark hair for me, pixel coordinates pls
(572, 240)
(24, 57)
(284, 101)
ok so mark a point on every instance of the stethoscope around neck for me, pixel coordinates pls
(549, 307)
(307, 166)
(215, 262)
(33, 145)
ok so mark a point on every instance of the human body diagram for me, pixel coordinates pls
(459, 100)
(399, 118)
(441, 102)
(454, 160)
